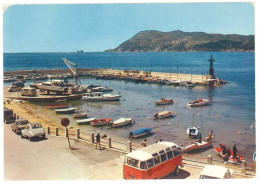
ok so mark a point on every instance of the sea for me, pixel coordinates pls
(232, 108)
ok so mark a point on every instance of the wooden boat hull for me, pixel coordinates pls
(198, 146)
(231, 160)
(85, 121)
(161, 116)
(100, 122)
(83, 115)
(166, 102)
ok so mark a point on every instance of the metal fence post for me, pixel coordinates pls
(66, 132)
(129, 146)
(48, 130)
(209, 159)
(243, 167)
(92, 137)
(78, 133)
(109, 142)
(56, 131)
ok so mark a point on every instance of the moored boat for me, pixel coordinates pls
(199, 102)
(80, 115)
(100, 96)
(57, 106)
(192, 131)
(163, 101)
(163, 114)
(101, 122)
(238, 159)
(140, 132)
(198, 146)
(65, 111)
(85, 121)
(121, 122)
(101, 89)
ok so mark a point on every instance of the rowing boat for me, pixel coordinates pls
(85, 121)
(65, 111)
(198, 146)
(101, 122)
(163, 114)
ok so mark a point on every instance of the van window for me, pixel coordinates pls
(143, 165)
(150, 163)
(169, 154)
(163, 157)
(132, 162)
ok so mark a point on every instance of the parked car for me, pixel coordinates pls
(14, 89)
(18, 84)
(33, 130)
(8, 116)
(18, 125)
(216, 172)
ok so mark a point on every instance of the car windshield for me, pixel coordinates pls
(22, 123)
(207, 177)
(36, 126)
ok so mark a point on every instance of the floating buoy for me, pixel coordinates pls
(217, 117)
(239, 133)
(147, 117)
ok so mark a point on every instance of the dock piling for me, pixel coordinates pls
(129, 146)
(92, 137)
(66, 132)
(109, 142)
(243, 167)
(48, 130)
(209, 159)
(56, 131)
(78, 133)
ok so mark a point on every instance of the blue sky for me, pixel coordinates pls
(97, 27)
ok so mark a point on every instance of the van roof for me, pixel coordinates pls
(214, 171)
(146, 153)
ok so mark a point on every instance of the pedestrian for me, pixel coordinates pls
(210, 136)
(200, 138)
(131, 134)
(144, 144)
(98, 141)
(228, 152)
(223, 149)
(234, 152)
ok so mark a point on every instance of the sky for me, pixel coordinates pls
(97, 27)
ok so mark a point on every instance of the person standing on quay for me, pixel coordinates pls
(98, 141)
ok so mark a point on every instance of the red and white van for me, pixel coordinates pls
(153, 162)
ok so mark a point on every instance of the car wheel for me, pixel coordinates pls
(177, 170)
(22, 135)
(43, 136)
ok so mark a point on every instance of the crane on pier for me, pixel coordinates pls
(73, 68)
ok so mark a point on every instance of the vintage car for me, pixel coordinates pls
(9, 116)
(18, 125)
(216, 172)
(33, 130)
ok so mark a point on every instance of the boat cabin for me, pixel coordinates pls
(94, 94)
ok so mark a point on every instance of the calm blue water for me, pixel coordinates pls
(233, 103)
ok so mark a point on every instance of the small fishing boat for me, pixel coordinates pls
(57, 106)
(65, 111)
(140, 132)
(80, 115)
(192, 132)
(163, 101)
(189, 85)
(101, 122)
(231, 160)
(163, 114)
(197, 146)
(99, 96)
(85, 121)
(199, 102)
(121, 122)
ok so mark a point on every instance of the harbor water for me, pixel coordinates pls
(232, 107)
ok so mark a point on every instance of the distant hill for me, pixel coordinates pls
(156, 41)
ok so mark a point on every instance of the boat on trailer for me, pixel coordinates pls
(141, 132)
(121, 122)
(163, 114)
(199, 102)
(65, 111)
(100, 122)
(85, 121)
(163, 101)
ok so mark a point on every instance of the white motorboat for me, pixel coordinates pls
(192, 131)
(199, 102)
(100, 96)
(65, 111)
(101, 89)
(121, 122)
